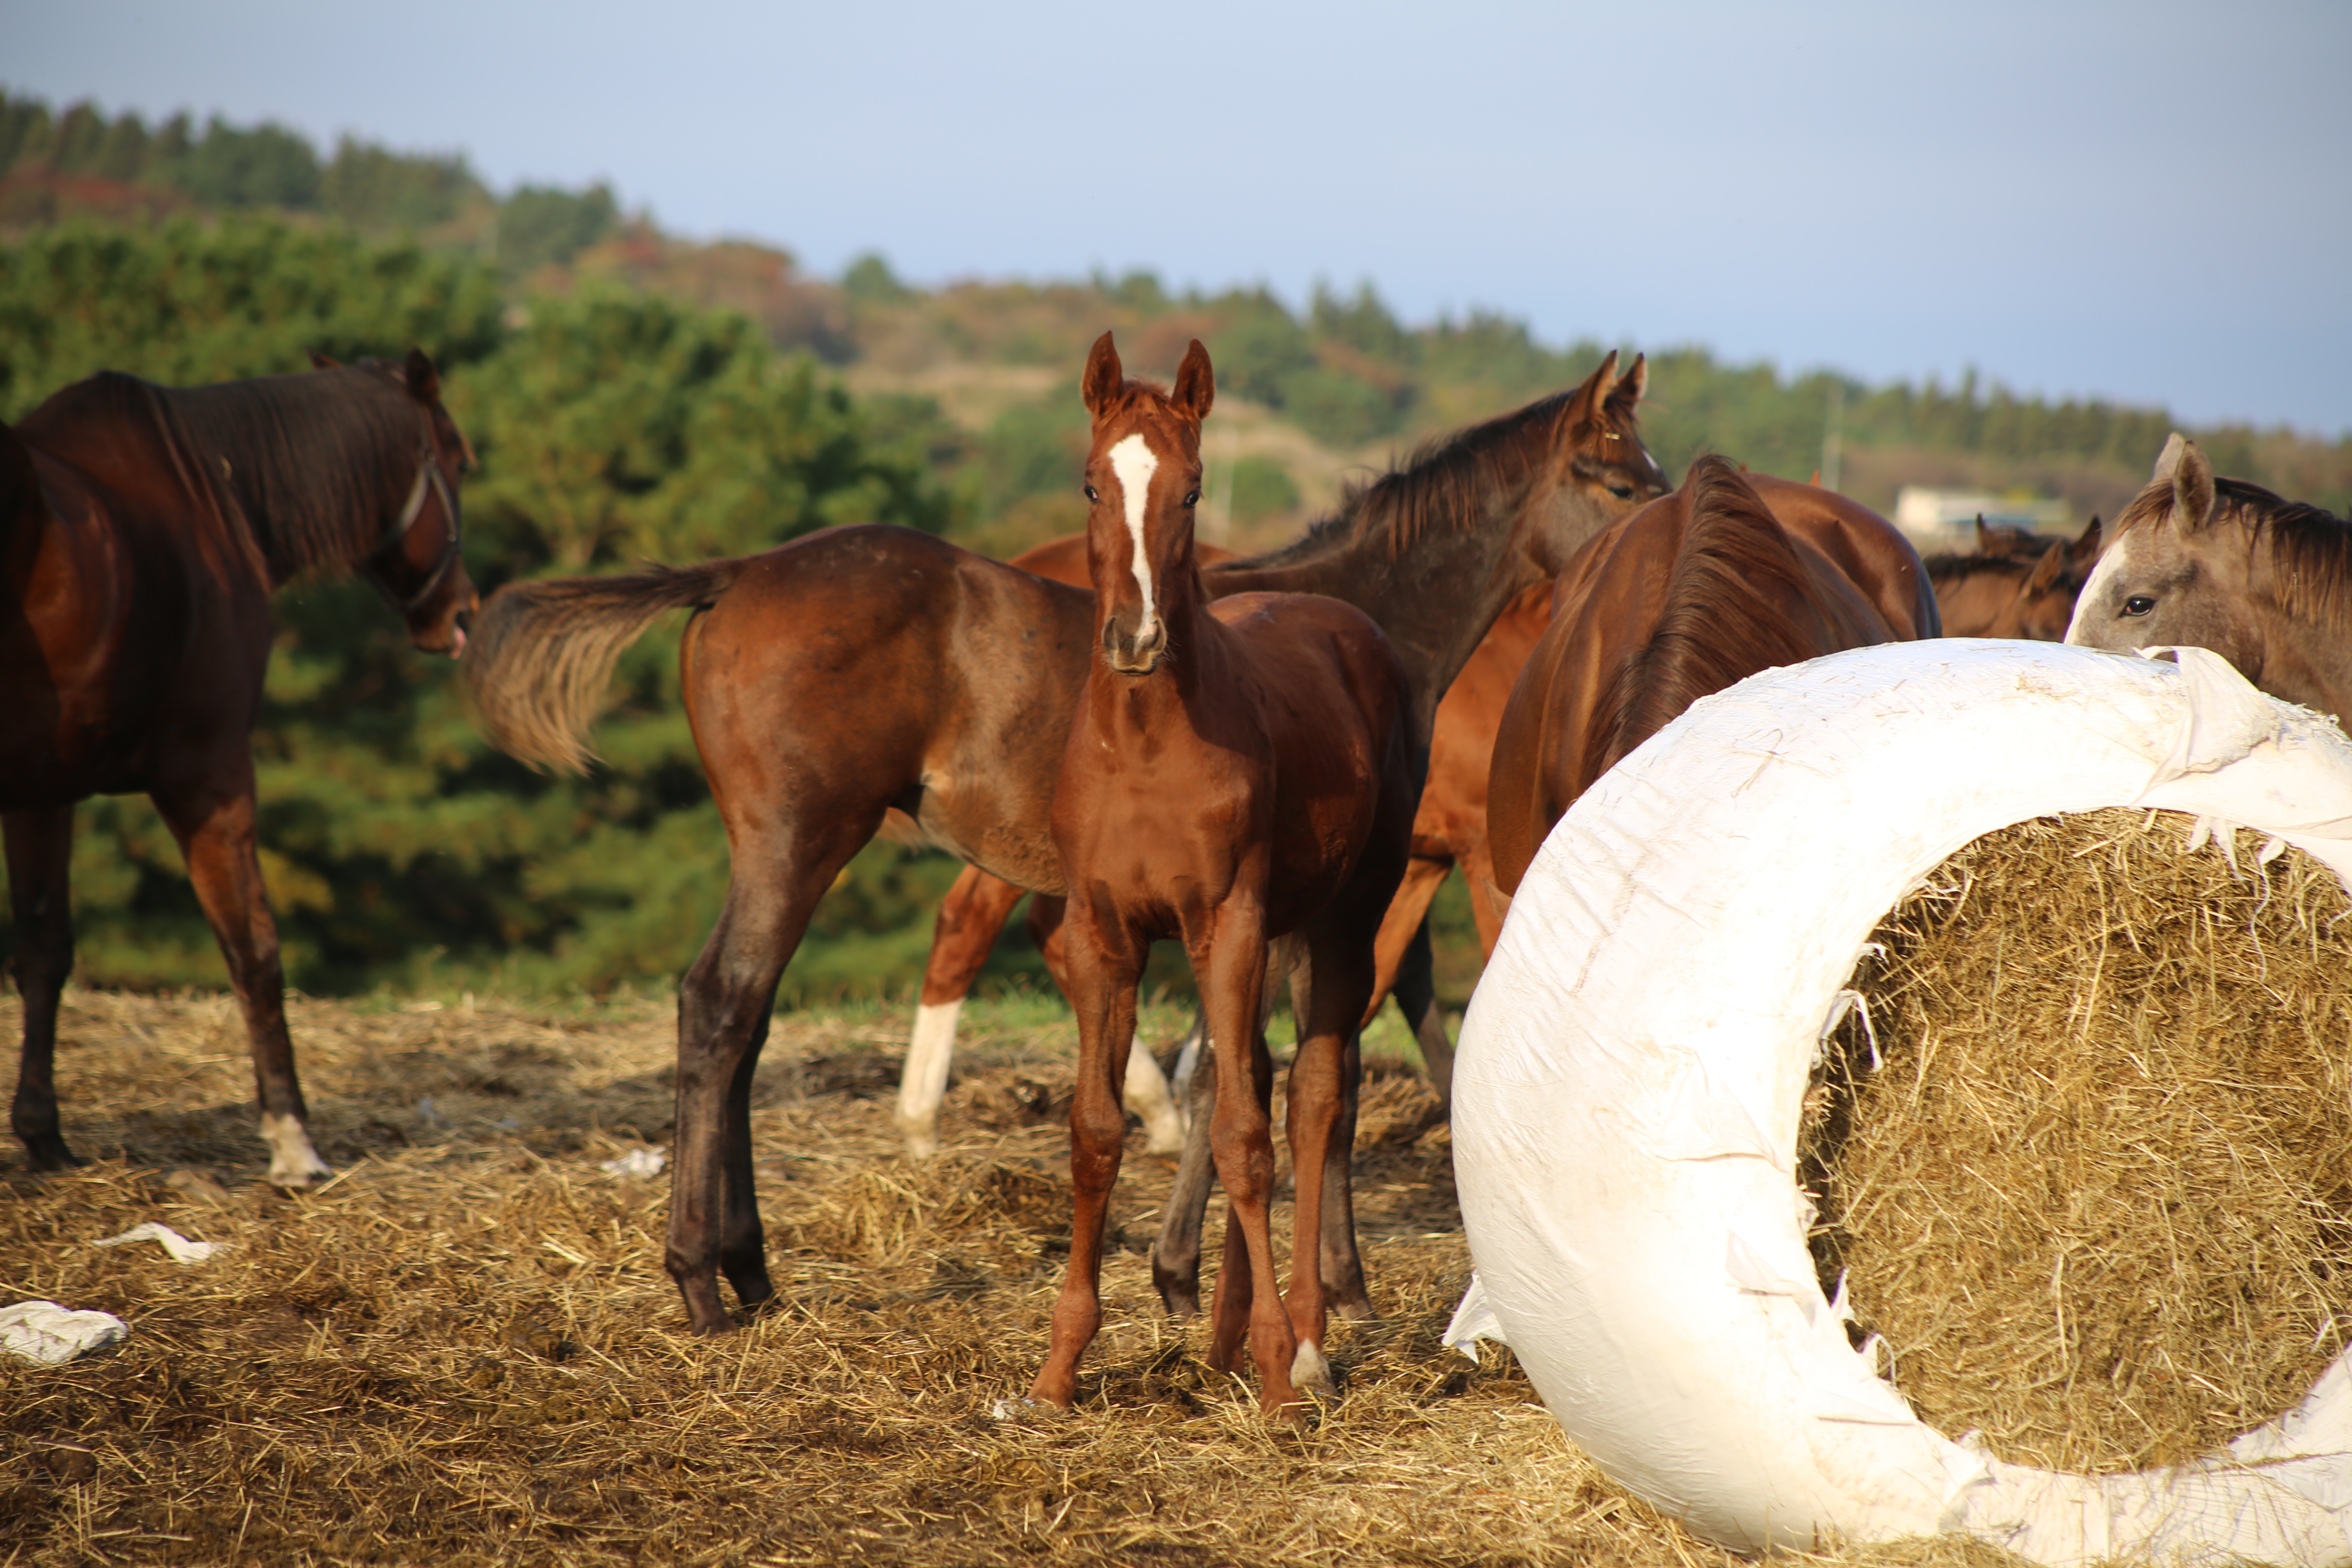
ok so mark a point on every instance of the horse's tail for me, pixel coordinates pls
(1740, 601)
(541, 653)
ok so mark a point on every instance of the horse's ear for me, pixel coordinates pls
(1627, 395)
(1196, 383)
(1593, 396)
(2086, 549)
(424, 381)
(324, 362)
(1104, 376)
(2046, 570)
(1984, 537)
(2192, 487)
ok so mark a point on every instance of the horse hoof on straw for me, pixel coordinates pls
(48, 1154)
(294, 1164)
(1708, 899)
(1310, 1373)
(922, 1138)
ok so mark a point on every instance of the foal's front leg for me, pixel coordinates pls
(214, 825)
(1103, 969)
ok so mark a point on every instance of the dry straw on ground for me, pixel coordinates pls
(466, 1348)
(2098, 1198)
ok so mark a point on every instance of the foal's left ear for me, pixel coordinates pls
(424, 381)
(1196, 385)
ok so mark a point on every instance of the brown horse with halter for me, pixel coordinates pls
(1237, 772)
(1729, 575)
(2220, 564)
(142, 530)
(864, 669)
(1449, 830)
(2015, 584)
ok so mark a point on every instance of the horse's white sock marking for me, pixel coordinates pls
(1310, 1370)
(923, 1083)
(1133, 462)
(293, 1162)
(1147, 1097)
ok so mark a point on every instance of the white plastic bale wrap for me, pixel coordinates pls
(1628, 1091)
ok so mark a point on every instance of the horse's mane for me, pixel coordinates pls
(2312, 546)
(314, 459)
(1727, 613)
(1959, 568)
(1449, 480)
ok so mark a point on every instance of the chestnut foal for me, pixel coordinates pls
(1237, 772)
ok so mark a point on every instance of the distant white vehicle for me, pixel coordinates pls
(1939, 519)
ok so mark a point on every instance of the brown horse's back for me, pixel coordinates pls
(1725, 577)
(1332, 691)
(860, 643)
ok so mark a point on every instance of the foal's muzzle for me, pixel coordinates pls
(1131, 654)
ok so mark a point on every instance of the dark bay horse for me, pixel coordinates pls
(142, 530)
(2223, 564)
(1237, 771)
(1729, 575)
(864, 668)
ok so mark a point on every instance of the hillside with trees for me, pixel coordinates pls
(634, 396)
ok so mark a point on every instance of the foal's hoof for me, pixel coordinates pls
(1310, 1373)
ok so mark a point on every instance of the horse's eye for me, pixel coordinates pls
(1092, 494)
(1194, 499)
(1623, 493)
(2138, 604)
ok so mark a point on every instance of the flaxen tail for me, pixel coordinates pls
(541, 654)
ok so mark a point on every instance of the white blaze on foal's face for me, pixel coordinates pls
(1132, 463)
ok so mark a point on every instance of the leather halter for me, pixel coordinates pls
(429, 482)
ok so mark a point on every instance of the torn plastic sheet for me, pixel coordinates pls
(50, 1335)
(637, 1162)
(1707, 898)
(180, 1248)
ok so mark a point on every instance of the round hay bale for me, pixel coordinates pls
(2096, 1200)
(1636, 1063)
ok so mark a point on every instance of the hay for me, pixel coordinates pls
(2098, 1199)
(466, 1348)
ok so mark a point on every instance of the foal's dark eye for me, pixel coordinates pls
(1092, 494)
(1194, 499)
(1623, 493)
(2138, 604)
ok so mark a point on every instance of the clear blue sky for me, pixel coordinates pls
(2147, 201)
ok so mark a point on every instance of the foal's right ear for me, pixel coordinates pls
(2192, 478)
(1104, 376)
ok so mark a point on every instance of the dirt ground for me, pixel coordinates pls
(465, 1349)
